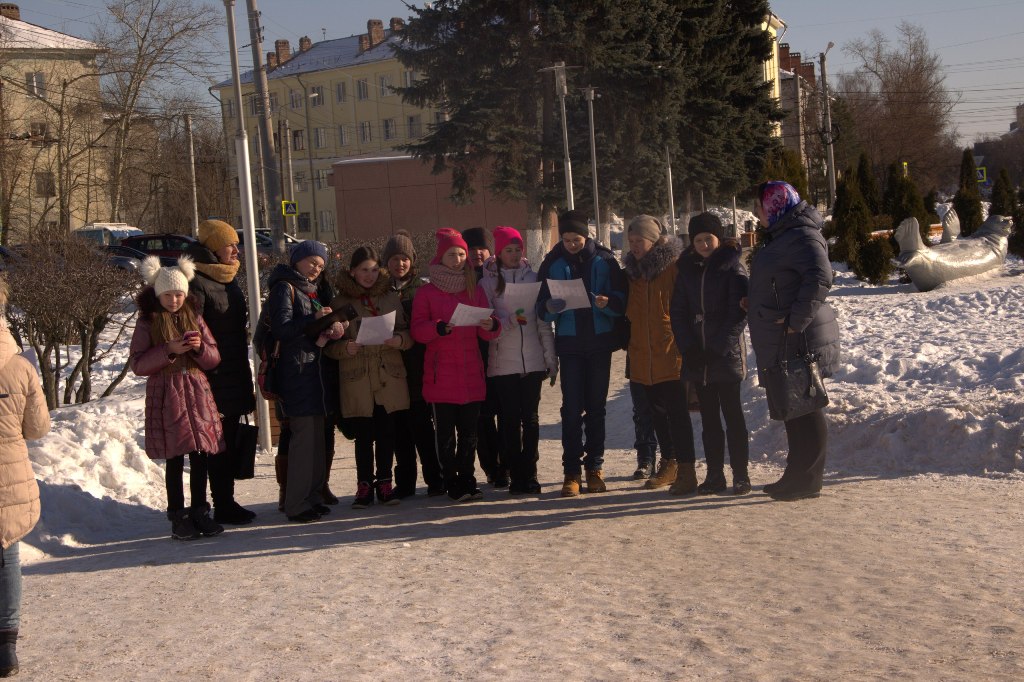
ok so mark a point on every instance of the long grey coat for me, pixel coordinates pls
(790, 276)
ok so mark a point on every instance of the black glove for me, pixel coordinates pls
(442, 329)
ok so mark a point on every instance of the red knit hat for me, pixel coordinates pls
(447, 238)
(503, 236)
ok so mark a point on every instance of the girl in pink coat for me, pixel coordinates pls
(453, 370)
(172, 347)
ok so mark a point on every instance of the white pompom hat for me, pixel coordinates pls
(168, 279)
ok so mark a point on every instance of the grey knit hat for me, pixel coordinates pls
(400, 243)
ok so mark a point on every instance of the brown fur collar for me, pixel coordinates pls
(665, 253)
(348, 287)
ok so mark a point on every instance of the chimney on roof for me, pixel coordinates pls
(271, 61)
(375, 29)
(397, 24)
(784, 56)
(364, 43)
(305, 43)
(284, 51)
(10, 11)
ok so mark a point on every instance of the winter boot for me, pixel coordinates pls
(665, 475)
(364, 496)
(386, 493)
(595, 482)
(233, 514)
(643, 471)
(204, 524)
(329, 497)
(571, 485)
(713, 483)
(182, 526)
(281, 473)
(740, 483)
(501, 479)
(686, 482)
(8, 653)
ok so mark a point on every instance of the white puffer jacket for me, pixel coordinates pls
(23, 416)
(521, 348)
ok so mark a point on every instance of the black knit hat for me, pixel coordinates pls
(478, 238)
(574, 221)
(706, 222)
(400, 243)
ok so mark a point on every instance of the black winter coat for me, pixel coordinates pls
(790, 277)
(300, 373)
(707, 317)
(414, 356)
(224, 310)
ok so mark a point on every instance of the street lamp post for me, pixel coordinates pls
(602, 232)
(829, 141)
(245, 192)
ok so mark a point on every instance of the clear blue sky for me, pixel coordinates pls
(979, 42)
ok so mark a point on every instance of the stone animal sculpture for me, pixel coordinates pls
(955, 258)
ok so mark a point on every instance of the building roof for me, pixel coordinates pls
(21, 35)
(328, 54)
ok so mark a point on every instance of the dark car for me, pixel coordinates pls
(127, 258)
(264, 242)
(170, 245)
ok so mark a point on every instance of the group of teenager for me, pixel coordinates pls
(463, 360)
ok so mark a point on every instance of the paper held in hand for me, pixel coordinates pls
(571, 291)
(469, 316)
(521, 296)
(374, 331)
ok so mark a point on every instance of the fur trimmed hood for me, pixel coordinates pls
(663, 254)
(347, 285)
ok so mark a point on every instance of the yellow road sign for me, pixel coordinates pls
(289, 208)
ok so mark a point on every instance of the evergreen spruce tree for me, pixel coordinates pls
(1003, 200)
(784, 163)
(967, 201)
(930, 200)
(868, 184)
(891, 195)
(1016, 243)
(910, 205)
(851, 220)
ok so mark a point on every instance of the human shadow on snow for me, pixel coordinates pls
(414, 520)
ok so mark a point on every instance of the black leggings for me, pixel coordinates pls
(197, 471)
(375, 445)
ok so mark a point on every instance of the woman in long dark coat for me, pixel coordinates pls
(790, 277)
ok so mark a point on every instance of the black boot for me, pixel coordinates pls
(713, 483)
(8, 653)
(182, 526)
(203, 523)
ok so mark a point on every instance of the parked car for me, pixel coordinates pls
(127, 258)
(170, 245)
(265, 243)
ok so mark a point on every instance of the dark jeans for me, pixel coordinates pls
(222, 467)
(646, 443)
(808, 440)
(414, 431)
(719, 400)
(584, 382)
(488, 445)
(198, 466)
(518, 402)
(375, 443)
(10, 587)
(671, 418)
(455, 428)
(307, 464)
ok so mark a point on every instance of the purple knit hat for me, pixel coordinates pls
(777, 198)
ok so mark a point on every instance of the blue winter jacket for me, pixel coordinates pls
(790, 276)
(299, 375)
(593, 329)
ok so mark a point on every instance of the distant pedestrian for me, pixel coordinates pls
(23, 416)
(453, 372)
(790, 277)
(519, 361)
(585, 339)
(172, 347)
(708, 322)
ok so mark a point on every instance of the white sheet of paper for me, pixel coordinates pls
(374, 331)
(521, 296)
(469, 316)
(571, 291)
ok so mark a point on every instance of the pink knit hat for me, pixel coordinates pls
(503, 236)
(447, 238)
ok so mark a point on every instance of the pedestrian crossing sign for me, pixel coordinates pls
(289, 208)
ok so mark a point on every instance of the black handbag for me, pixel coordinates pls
(246, 439)
(794, 387)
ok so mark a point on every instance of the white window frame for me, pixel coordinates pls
(320, 178)
(365, 131)
(35, 84)
(340, 91)
(342, 136)
(295, 99)
(319, 138)
(384, 81)
(317, 90)
(362, 89)
(414, 125)
(389, 128)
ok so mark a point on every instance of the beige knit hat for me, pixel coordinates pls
(646, 226)
(170, 278)
(216, 234)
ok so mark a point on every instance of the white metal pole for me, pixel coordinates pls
(245, 197)
(602, 231)
(671, 199)
(192, 176)
(562, 89)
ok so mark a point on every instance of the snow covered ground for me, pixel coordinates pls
(908, 566)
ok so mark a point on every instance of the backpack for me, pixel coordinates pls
(268, 352)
